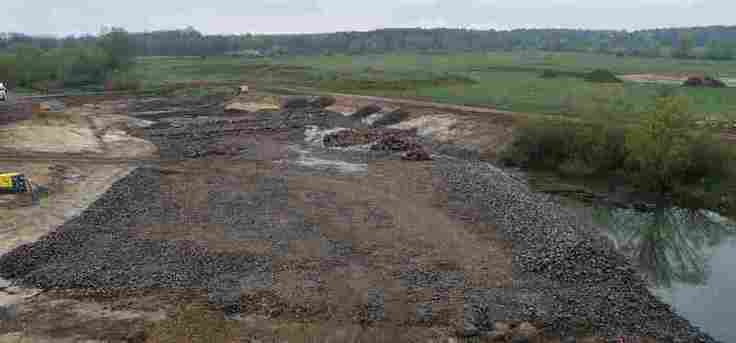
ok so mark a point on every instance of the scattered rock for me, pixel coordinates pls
(416, 154)
(344, 138)
(395, 143)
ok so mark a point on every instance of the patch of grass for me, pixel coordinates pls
(353, 85)
(193, 324)
(297, 331)
(582, 328)
(507, 80)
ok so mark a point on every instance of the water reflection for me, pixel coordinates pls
(667, 244)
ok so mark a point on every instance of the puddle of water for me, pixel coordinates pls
(306, 159)
(687, 256)
(369, 120)
(314, 136)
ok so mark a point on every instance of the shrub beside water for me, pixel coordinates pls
(664, 154)
(569, 148)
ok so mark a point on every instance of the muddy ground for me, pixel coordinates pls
(246, 215)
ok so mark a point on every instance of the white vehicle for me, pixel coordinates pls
(3, 92)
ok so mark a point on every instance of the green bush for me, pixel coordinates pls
(70, 66)
(543, 144)
(569, 148)
(602, 75)
(664, 154)
(548, 74)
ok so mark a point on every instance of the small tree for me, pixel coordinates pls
(118, 45)
(658, 148)
(720, 51)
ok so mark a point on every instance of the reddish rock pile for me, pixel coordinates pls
(703, 81)
(395, 143)
(383, 139)
(351, 137)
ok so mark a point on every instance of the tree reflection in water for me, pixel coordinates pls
(666, 244)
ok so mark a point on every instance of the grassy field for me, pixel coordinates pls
(509, 81)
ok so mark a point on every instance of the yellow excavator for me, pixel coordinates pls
(18, 186)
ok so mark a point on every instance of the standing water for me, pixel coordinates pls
(687, 256)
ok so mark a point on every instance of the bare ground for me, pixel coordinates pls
(375, 231)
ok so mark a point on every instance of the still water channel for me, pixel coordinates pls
(688, 257)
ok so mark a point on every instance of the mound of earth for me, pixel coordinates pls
(602, 75)
(417, 154)
(391, 118)
(395, 143)
(296, 102)
(366, 111)
(247, 107)
(350, 137)
(704, 81)
(382, 139)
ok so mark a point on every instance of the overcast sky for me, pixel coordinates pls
(291, 16)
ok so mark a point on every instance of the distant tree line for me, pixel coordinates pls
(712, 42)
(45, 63)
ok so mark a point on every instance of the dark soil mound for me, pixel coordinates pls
(294, 102)
(602, 75)
(297, 102)
(366, 111)
(391, 118)
(324, 101)
(705, 81)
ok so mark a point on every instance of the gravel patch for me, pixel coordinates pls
(574, 272)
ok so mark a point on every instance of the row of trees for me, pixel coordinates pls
(714, 42)
(76, 62)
